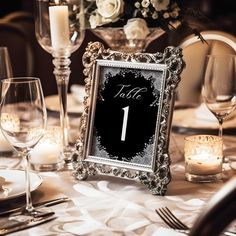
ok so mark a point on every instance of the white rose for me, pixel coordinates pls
(110, 9)
(136, 28)
(160, 5)
(97, 20)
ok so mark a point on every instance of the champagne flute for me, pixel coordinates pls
(219, 89)
(23, 121)
(60, 29)
(5, 64)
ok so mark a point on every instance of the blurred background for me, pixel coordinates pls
(25, 50)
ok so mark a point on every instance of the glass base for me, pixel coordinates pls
(203, 178)
(67, 153)
(47, 167)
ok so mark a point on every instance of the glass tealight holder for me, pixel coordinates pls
(12, 122)
(5, 148)
(203, 158)
(47, 155)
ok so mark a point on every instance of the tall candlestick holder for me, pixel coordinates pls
(59, 27)
(62, 74)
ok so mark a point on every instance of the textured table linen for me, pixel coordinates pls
(112, 206)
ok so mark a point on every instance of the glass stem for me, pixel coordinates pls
(62, 74)
(29, 206)
(220, 127)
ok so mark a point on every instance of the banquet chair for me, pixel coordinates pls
(19, 47)
(19, 16)
(219, 212)
(194, 53)
(42, 66)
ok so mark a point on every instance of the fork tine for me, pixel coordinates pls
(166, 220)
(180, 223)
(166, 215)
(175, 223)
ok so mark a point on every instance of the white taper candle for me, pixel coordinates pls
(59, 26)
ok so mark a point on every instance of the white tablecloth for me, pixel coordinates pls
(112, 206)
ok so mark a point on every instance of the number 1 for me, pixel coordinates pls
(124, 126)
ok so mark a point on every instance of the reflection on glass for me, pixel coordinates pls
(23, 120)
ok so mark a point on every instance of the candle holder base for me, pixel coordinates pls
(67, 157)
(203, 178)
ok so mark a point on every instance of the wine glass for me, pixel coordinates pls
(5, 64)
(23, 120)
(219, 89)
(59, 27)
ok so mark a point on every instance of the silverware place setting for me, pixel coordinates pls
(20, 222)
(15, 218)
(47, 203)
(176, 224)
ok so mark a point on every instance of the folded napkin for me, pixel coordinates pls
(78, 92)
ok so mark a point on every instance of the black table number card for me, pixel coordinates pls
(127, 115)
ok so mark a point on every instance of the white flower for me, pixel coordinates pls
(144, 13)
(95, 20)
(110, 9)
(154, 15)
(166, 15)
(136, 28)
(160, 5)
(145, 3)
(137, 4)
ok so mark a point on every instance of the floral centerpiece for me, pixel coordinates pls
(132, 24)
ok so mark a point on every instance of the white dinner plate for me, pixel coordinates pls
(14, 185)
(73, 106)
(186, 118)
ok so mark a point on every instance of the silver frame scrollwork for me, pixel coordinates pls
(157, 180)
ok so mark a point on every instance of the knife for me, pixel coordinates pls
(12, 225)
(43, 203)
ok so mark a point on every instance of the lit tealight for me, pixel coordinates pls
(203, 158)
(4, 144)
(10, 123)
(47, 154)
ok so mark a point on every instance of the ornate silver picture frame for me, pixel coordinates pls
(127, 115)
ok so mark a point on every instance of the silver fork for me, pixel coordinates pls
(173, 222)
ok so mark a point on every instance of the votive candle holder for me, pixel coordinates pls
(203, 158)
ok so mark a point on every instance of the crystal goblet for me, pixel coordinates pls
(219, 88)
(23, 119)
